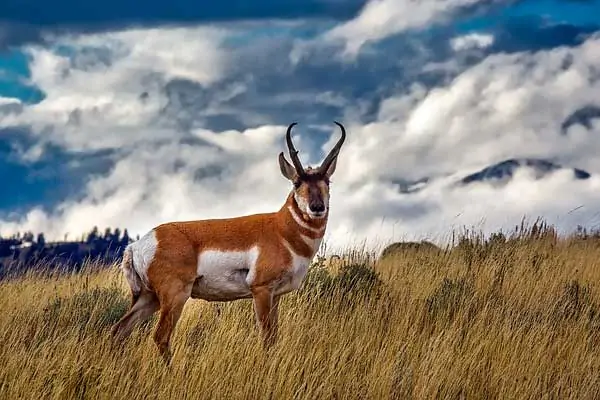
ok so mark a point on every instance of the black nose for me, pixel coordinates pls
(318, 207)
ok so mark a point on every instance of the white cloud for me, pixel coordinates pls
(111, 93)
(8, 101)
(383, 18)
(157, 183)
(506, 106)
(471, 41)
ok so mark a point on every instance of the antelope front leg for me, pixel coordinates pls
(266, 310)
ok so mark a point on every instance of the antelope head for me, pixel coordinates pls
(311, 185)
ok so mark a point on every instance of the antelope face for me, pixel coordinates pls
(312, 194)
(311, 185)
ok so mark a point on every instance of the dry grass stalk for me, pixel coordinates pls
(511, 317)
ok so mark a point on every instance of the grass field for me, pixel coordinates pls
(510, 318)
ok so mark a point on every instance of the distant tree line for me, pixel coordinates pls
(25, 251)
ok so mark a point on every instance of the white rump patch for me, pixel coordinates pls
(143, 252)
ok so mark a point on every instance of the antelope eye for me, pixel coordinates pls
(297, 184)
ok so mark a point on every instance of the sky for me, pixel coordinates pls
(116, 115)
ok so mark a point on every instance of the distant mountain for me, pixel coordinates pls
(410, 186)
(501, 172)
(504, 170)
(583, 116)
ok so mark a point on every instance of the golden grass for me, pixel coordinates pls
(511, 319)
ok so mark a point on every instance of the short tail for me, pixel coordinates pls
(134, 280)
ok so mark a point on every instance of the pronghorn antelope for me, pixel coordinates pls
(260, 256)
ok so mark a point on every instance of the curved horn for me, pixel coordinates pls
(293, 151)
(335, 151)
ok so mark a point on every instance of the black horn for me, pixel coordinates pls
(293, 151)
(335, 151)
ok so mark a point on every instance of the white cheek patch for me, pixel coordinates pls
(302, 203)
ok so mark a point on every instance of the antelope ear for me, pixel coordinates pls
(287, 170)
(331, 168)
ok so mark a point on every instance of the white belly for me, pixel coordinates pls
(225, 275)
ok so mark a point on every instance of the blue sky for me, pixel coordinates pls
(91, 93)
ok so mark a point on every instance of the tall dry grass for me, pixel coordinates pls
(502, 318)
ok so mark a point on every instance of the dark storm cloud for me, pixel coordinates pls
(22, 22)
(532, 33)
(56, 176)
(267, 87)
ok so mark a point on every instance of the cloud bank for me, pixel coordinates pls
(190, 120)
